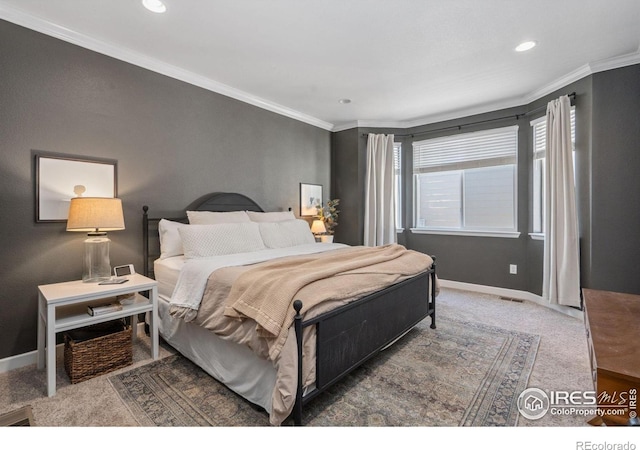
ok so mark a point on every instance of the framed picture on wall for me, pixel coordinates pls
(60, 177)
(310, 197)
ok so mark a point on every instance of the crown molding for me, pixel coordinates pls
(559, 83)
(616, 62)
(584, 71)
(345, 126)
(368, 124)
(581, 72)
(21, 18)
(467, 112)
(127, 55)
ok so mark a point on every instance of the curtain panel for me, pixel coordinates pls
(380, 208)
(561, 277)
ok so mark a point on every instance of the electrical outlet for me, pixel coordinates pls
(513, 269)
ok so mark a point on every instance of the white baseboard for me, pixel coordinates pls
(25, 359)
(511, 293)
(29, 358)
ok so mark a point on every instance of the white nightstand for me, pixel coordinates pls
(63, 307)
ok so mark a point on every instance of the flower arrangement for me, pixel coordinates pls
(328, 214)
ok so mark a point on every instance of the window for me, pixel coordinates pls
(467, 182)
(397, 164)
(539, 144)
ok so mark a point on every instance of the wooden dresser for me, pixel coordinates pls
(612, 322)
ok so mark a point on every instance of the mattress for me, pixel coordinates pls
(166, 274)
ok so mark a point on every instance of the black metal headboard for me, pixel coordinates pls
(216, 202)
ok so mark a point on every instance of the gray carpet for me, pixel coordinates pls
(463, 373)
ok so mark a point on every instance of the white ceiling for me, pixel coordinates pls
(401, 62)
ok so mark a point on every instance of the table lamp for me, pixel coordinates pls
(318, 228)
(96, 216)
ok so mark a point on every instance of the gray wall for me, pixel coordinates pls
(347, 184)
(615, 202)
(174, 142)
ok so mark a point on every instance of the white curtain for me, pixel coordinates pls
(561, 279)
(380, 212)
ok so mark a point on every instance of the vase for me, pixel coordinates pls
(326, 238)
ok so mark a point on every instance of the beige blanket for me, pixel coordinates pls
(266, 292)
(252, 305)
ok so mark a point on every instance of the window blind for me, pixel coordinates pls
(396, 156)
(540, 134)
(466, 151)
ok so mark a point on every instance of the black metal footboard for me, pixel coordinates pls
(348, 336)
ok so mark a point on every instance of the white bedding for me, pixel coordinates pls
(194, 274)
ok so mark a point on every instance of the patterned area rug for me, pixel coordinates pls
(461, 374)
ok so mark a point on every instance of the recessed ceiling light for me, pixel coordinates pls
(526, 46)
(344, 101)
(155, 6)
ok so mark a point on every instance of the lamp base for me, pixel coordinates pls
(97, 266)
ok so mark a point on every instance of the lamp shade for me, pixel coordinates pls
(318, 227)
(95, 214)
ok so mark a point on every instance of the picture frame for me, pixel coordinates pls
(310, 196)
(59, 177)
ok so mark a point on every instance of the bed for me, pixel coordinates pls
(280, 368)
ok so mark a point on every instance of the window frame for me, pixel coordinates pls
(471, 231)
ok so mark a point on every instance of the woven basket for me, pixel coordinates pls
(98, 349)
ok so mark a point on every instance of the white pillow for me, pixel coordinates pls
(286, 233)
(170, 240)
(201, 241)
(277, 216)
(211, 217)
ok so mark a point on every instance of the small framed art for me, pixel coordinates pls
(310, 197)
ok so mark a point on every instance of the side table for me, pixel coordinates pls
(63, 307)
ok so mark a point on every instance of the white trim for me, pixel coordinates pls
(559, 83)
(381, 124)
(616, 62)
(26, 359)
(399, 230)
(511, 293)
(499, 234)
(537, 236)
(345, 126)
(21, 18)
